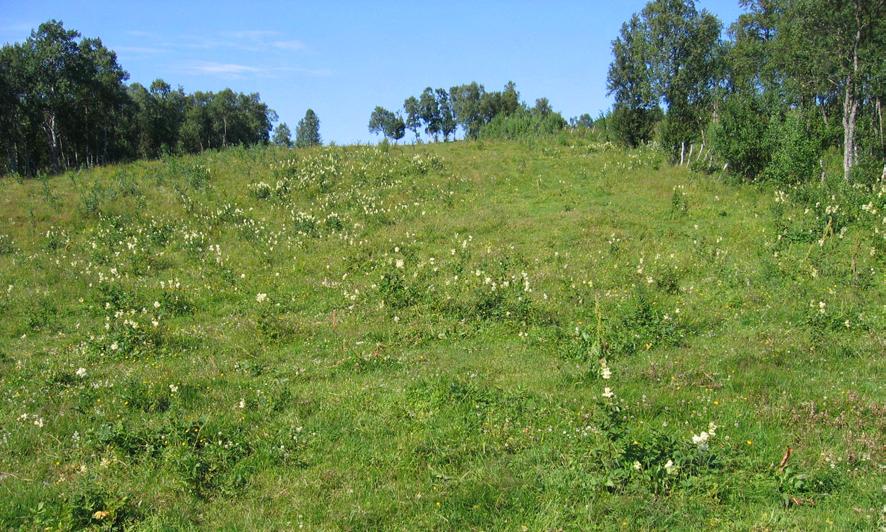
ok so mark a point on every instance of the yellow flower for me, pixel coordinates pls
(99, 515)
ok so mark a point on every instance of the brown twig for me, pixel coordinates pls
(4, 475)
(785, 458)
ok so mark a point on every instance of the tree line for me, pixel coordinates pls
(479, 113)
(64, 103)
(791, 80)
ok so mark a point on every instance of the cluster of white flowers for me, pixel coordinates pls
(33, 418)
(605, 372)
(261, 297)
(780, 196)
(701, 440)
(670, 468)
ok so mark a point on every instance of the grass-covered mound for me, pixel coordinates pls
(479, 335)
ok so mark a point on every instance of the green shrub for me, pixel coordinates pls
(522, 124)
(7, 246)
(740, 136)
(632, 127)
(795, 150)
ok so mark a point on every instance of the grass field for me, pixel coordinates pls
(527, 335)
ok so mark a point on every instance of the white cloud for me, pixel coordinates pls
(258, 41)
(289, 45)
(138, 49)
(236, 70)
(253, 35)
(223, 68)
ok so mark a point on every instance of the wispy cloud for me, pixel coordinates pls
(231, 69)
(146, 50)
(293, 45)
(211, 54)
(253, 35)
(236, 70)
(242, 40)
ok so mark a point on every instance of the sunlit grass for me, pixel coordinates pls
(549, 334)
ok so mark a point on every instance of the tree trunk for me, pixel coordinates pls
(850, 104)
(52, 134)
(880, 124)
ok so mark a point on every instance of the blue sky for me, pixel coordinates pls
(344, 58)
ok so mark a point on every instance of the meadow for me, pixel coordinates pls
(536, 335)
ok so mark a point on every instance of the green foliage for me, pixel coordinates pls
(523, 124)
(633, 127)
(794, 149)
(741, 135)
(65, 105)
(351, 324)
(282, 135)
(429, 112)
(669, 53)
(7, 246)
(583, 121)
(413, 115)
(308, 131)
(387, 123)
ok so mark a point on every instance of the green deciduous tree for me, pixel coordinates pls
(64, 104)
(834, 51)
(466, 106)
(282, 135)
(669, 54)
(308, 131)
(387, 123)
(429, 111)
(447, 117)
(630, 81)
(413, 115)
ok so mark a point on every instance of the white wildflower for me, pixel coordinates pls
(670, 468)
(701, 440)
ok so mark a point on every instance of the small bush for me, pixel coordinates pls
(522, 124)
(795, 150)
(740, 136)
(7, 246)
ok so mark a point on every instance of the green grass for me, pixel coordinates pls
(416, 337)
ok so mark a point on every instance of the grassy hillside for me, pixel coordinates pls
(461, 336)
